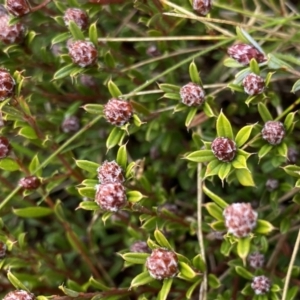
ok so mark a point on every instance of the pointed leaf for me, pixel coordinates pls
(93, 34)
(289, 120)
(296, 86)
(122, 157)
(208, 110)
(224, 127)
(76, 31)
(240, 162)
(244, 176)
(199, 263)
(141, 279)
(200, 156)
(264, 150)
(224, 170)
(264, 112)
(263, 227)
(28, 132)
(114, 138)
(33, 212)
(190, 116)
(96, 109)
(16, 282)
(134, 196)
(9, 164)
(219, 201)
(215, 211)
(186, 271)
(98, 284)
(192, 288)
(218, 226)
(87, 165)
(113, 89)
(243, 248)
(161, 240)
(246, 37)
(243, 135)
(135, 258)
(213, 168)
(213, 281)
(165, 289)
(89, 205)
(194, 74)
(244, 273)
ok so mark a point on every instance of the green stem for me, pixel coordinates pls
(49, 159)
(289, 272)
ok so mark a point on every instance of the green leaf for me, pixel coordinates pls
(88, 205)
(161, 240)
(109, 60)
(246, 37)
(8, 164)
(88, 192)
(186, 271)
(231, 63)
(190, 116)
(64, 72)
(208, 110)
(215, 211)
(213, 281)
(235, 87)
(141, 279)
(106, 216)
(194, 74)
(173, 96)
(239, 162)
(292, 293)
(296, 86)
(243, 135)
(199, 263)
(93, 34)
(243, 248)
(244, 177)
(33, 212)
(254, 67)
(122, 157)
(76, 31)
(140, 108)
(16, 282)
(166, 87)
(134, 196)
(244, 273)
(275, 63)
(113, 89)
(224, 127)
(98, 284)
(263, 227)
(165, 289)
(114, 138)
(192, 288)
(34, 165)
(224, 170)
(289, 120)
(135, 258)
(264, 150)
(60, 38)
(282, 149)
(200, 156)
(219, 201)
(213, 168)
(292, 170)
(96, 109)
(264, 112)
(218, 226)
(28, 132)
(87, 165)
(69, 292)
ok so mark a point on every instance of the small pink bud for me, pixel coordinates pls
(162, 264)
(224, 149)
(118, 112)
(70, 124)
(82, 53)
(78, 16)
(261, 285)
(272, 184)
(111, 196)
(140, 247)
(243, 53)
(202, 7)
(292, 155)
(192, 94)
(17, 8)
(29, 183)
(253, 84)
(7, 84)
(4, 147)
(19, 295)
(240, 219)
(273, 132)
(110, 172)
(11, 34)
(256, 260)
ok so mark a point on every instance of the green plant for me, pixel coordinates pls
(148, 150)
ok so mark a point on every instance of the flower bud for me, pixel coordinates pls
(253, 84)
(261, 285)
(224, 149)
(111, 196)
(10, 34)
(118, 112)
(140, 247)
(19, 295)
(272, 184)
(292, 155)
(162, 264)
(70, 124)
(240, 219)
(17, 8)
(29, 183)
(4, 147)
(243, 53)
(78, 16)
(192, 94)
(2, 249)
(110, 172)
(256, 260)
(82, 53)
(273, 132)
(202, 7)
(7, 84)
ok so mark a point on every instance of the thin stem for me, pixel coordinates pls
(49, 159)
(289, 272)
(203, 286)
(38, 7)
(163, 38)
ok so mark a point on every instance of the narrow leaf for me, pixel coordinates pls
(190, 116)
(219, 201)
(194, 74)
(75, 31)
(141, 279)
(201, 156)
(264, 112)
(33, 212)
(113, 89)
(166, 287)
(87, 165)
(161, 240)
(244, 176)
(243, 135)
(224, 127)
(244, 273)
(122, 157)
(215, 211)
